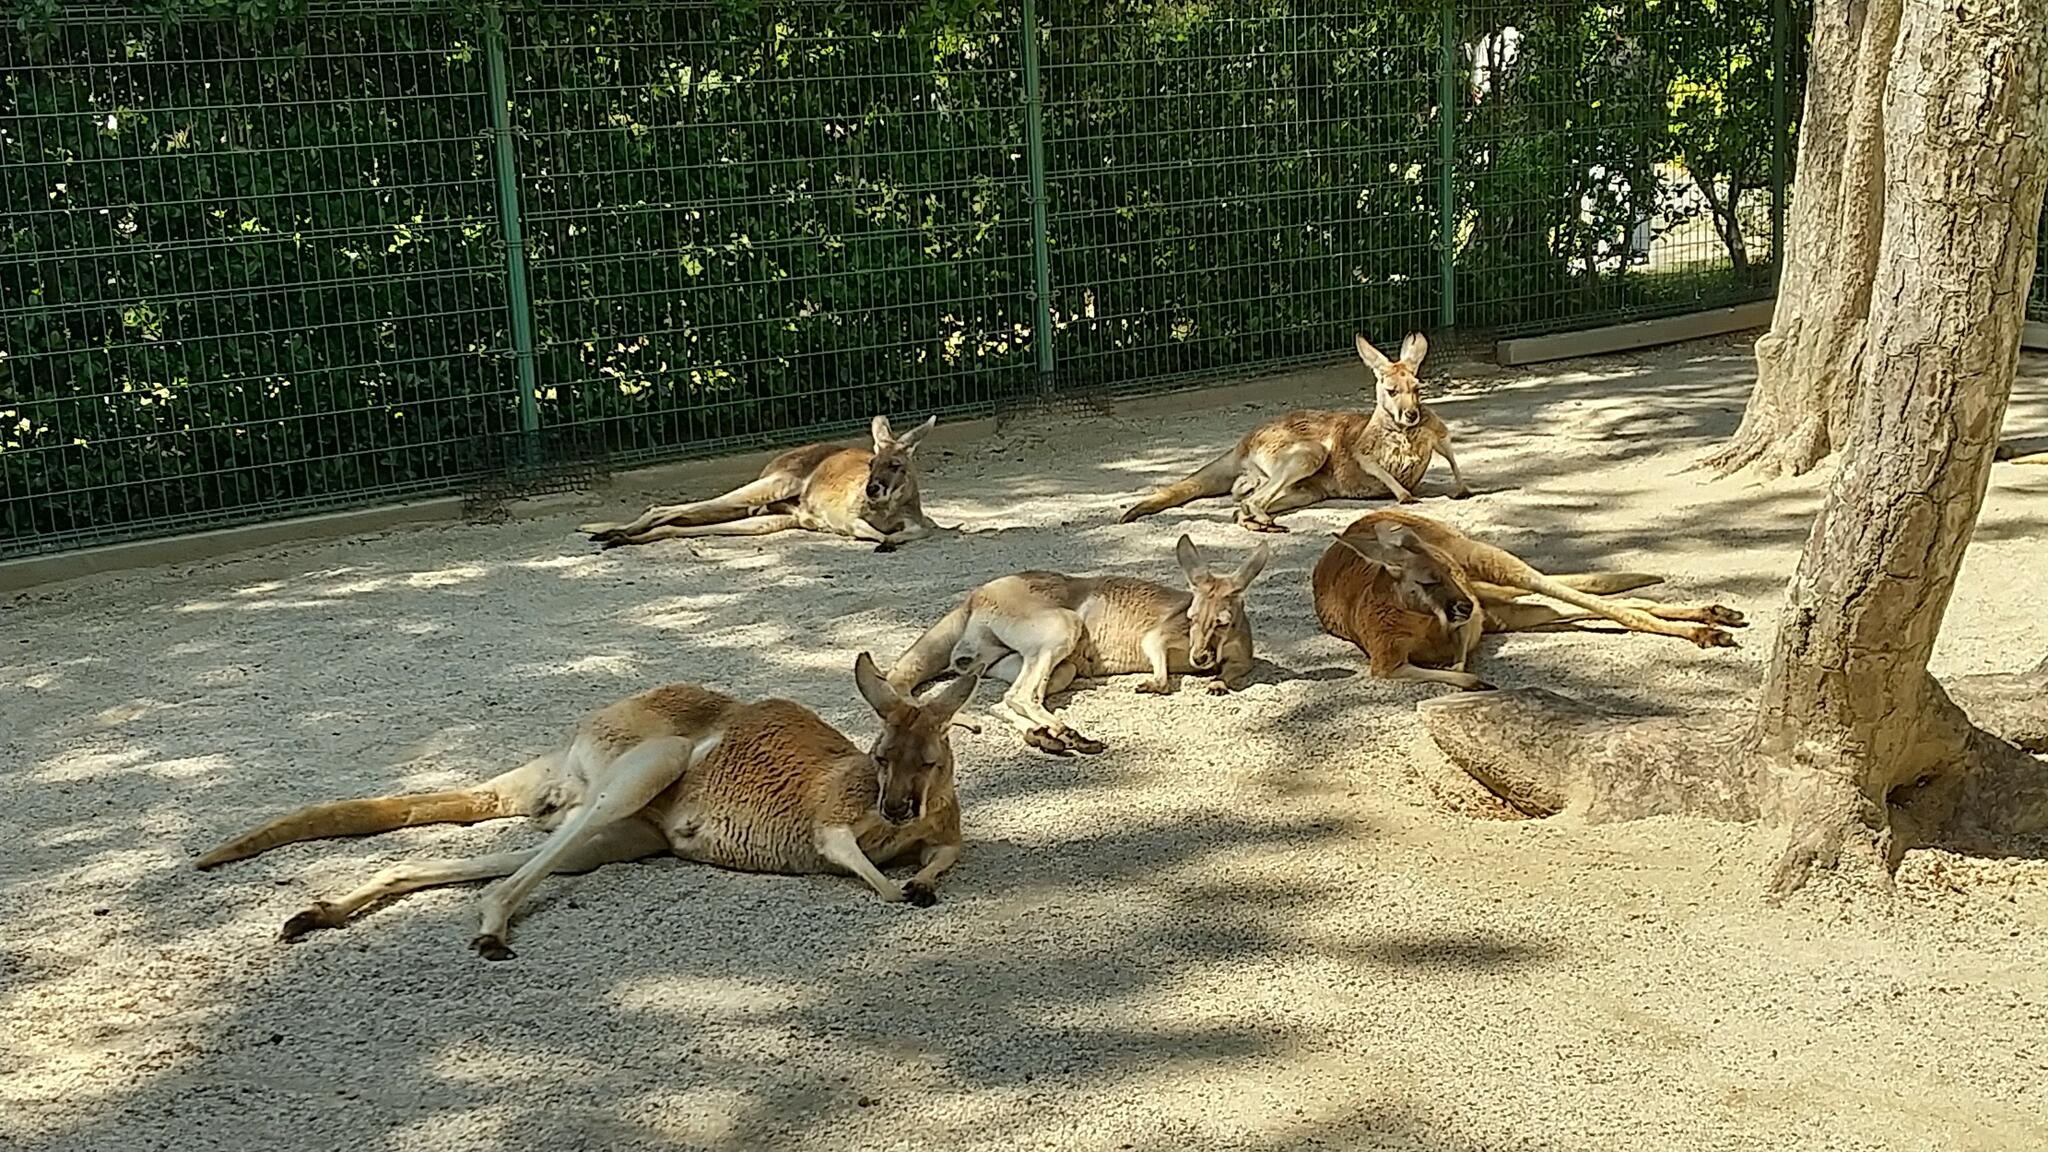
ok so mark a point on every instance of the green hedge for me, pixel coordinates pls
(253, 260)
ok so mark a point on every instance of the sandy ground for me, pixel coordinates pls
(1271, 921)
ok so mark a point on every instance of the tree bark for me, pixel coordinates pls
(1807, 364)
(1852, 747)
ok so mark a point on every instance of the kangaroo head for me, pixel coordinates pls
(1395, 384)
(913, 756)
(892, 473)
(1423, 579)
(1216, 617)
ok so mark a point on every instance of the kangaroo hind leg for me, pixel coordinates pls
(1043, 642)
(621, 788)
(731, 506)
(1284, 470)
(629, 840)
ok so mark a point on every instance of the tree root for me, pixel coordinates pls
(1772, 452)
(1547, 754)
(2010, 705)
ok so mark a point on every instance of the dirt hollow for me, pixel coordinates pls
(1271, 921)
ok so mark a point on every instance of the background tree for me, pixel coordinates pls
(1807, 365)
(1852, 747)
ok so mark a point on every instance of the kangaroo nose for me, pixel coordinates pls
(1410, 419)
(897, 813)
(874, 491)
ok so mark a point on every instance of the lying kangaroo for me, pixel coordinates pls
(1417, 595)
(762, 786)
(1038, 631)
(1307, 457)
(823, 488)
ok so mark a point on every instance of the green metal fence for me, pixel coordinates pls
(381, 249)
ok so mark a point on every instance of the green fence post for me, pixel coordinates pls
(1034, 147)
(505, 165)
(1781, 59)
(1447, 145)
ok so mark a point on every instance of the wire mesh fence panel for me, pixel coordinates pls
(1614, 161)
(2037, 305)
(255, 267)
(1237, 185)
(243, 273)
(763, 224)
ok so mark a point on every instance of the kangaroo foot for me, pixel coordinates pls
(491, 946)
(1064, 743)
(320, 914)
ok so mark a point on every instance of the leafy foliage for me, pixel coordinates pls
(259, 264)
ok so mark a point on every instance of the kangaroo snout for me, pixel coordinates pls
(876, 491)
(900, 811)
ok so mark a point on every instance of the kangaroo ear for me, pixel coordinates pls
(908, 440)
(954, 696)
(874, 687)
(1376, 553)
(882, 434)
(1253, 565)
(1373, 357)
(1190, 558)
(1413, 349)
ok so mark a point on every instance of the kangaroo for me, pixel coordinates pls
(1039, 631)
(1307, 457)
(761, 786)
(822, 488)
(1416, 595)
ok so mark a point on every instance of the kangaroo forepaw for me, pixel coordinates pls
(886, 546)
(1708, 637)
(491, 946)
(1250, 524)
(919, 894)
(1723, 616)
(319, 915)
(1219, 688)
(1154, 687)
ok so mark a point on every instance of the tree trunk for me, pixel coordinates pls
(1807, 364)
(1852, 747)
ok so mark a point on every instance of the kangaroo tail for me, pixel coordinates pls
(933, 652)
(485, 801)
(1212, 479)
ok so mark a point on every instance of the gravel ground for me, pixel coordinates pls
(1271, 921)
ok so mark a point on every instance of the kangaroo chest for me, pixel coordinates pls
(752, 837)
(1404, 453)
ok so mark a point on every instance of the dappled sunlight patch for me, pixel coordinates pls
(118, 715)
(613, 665)
(447, 577)
(84, 764)
(583, 564)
